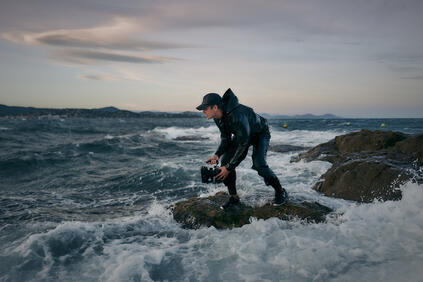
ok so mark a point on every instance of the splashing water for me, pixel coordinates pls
(68, 215)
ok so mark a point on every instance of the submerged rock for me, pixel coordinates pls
(282, 148)
(197, 212)
(367, 165)
(190, 138)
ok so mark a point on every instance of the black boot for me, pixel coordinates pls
(230, 202)
(280, 198)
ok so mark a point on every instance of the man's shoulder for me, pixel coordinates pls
(242, 110)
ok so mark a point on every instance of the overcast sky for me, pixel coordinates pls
(356, 58)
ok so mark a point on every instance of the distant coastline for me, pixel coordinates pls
(113, 112)
(106, 112)
(305, 116)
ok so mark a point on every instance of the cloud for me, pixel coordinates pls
(302, 17)
(120, 34)
(100, 77)
(417, 77)
(89, 57)
(118, 73)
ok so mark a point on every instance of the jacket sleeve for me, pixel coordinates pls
(242, 134)
(225, 139)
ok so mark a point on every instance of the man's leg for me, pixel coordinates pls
(230, 180)
(260, 165)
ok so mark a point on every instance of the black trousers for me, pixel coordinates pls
(260, 144)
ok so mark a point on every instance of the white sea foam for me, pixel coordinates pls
(211, 132)
(371, 242)
(366, 241)
(306, 138)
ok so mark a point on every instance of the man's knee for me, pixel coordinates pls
(265, 172)
(230, 179)
(259, 164)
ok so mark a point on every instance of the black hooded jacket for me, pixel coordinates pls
(237, 126)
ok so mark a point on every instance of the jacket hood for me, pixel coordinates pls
(229, 101)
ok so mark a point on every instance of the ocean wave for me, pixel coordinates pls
(366, 240)
(17, 162)
(27, 163)
(305, 138)
(211, 134)
(96, 210)
(173, 132)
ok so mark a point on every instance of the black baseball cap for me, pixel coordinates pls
(210, 99)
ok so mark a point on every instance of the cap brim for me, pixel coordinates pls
(202, 107)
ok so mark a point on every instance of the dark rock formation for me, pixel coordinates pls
(362, 181)
(197, 212)
(190, 138)
(324, 152)
(281, 148)
(412, 146)
(367, 165)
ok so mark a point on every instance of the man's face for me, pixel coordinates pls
(211, 112)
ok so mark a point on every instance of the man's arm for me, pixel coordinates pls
(242, 134)
(225, 139)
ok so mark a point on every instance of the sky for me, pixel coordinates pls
(352, 58)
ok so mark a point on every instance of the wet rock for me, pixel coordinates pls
(281, 148)
(362, 181)
(355, 142)
(190, 138)
(368, 165)
(412, 146)
(324, 152)
(197, 212)
(366, 140)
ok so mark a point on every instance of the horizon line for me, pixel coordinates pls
(336, 116)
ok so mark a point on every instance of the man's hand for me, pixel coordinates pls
(223, 173)
(213, 159)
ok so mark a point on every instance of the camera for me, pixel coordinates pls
(208, 174)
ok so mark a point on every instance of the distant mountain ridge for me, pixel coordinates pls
(106, 112)
(305, 116)
(113, 112)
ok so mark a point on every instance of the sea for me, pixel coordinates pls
(87, 199)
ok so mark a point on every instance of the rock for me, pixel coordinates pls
(325, 152)
(197, 212)
(362, 181)
(412, 146)
(364, 140)
(190, 138)
(281, 148)
(367, 165)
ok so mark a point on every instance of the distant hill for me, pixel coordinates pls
(106, 112)
(113, 112)
(305, 116)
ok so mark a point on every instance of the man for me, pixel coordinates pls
(239, 128)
